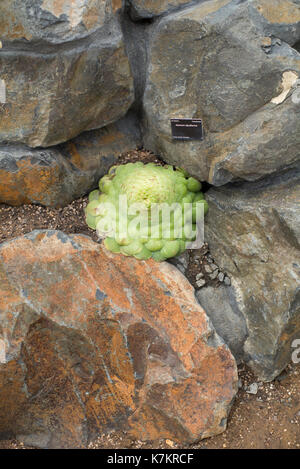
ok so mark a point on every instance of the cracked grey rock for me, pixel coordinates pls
(206, 61)
(253, 231)
(221, 306)
(65, 70)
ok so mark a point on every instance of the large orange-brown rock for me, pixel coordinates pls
(93, 341)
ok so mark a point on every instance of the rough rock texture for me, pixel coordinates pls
(214, 61)
(137, 36)
(220, 305)
(253, 230)
(56, 176)
(280, 18)
(95, 341)
(54, 21)
(64, 67)
(146, 9)
(277, 18)
(266, 142)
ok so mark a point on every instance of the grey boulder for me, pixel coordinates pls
(213, 61)
(253, 230)
(64, 69)
(221, 306)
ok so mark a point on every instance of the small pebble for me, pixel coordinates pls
(252, 389)
(221, 277)
(200, 283)
(227, 281)
(214, 275)
(198, 276)
(170, 443)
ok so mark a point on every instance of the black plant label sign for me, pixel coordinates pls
(187, 129)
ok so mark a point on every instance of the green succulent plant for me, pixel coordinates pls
(146, 210)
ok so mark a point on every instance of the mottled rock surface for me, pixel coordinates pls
(54, 21)
(146, 9)
(277, 18)
(253, 230)
(218, 61)
(56, 176)
(266, 142)
(94, 341)
(64, 67)
(280, 18)
(220, 305)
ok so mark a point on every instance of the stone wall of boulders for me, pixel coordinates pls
(87, 80)
(65, 71)
(72, 67)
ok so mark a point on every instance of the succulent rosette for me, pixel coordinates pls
(146, 210)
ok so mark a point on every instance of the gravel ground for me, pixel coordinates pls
(269, 418)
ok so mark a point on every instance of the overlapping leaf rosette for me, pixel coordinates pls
(146, 210)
